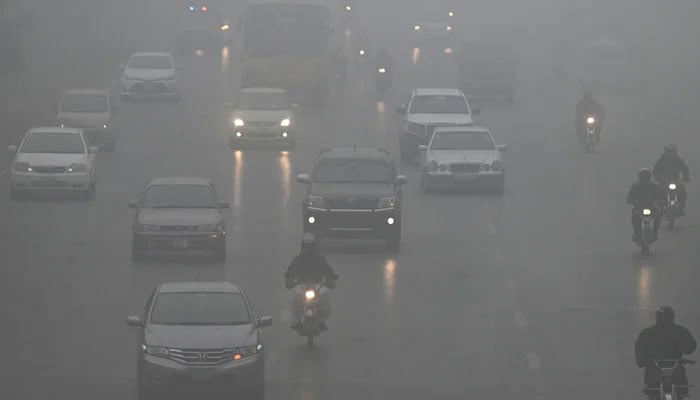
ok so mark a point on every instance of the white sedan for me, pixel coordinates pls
(152, 75)
(463, 157)
(53, 159)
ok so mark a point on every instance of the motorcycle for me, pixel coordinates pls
(592, 126)
(668, 388)
(382, 81)
(647, 233)
(312, 311)
(671, 209)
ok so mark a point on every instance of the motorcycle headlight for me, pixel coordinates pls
(246, 351)
(348, 8)
(381, 70)
(496, 166)
(386, 203)
(310, 294)
(316, 202)
(77, 168)
(146, 228)
(590, 120)
(156, 351)
(225, 27)
(416, 28)
(362, 52)
(238, 122)
(285, 122)
(672, 186)
(433, 166)
(448, 28)
(646, 211)
(22, 167)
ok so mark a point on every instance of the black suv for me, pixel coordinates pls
(354, 193)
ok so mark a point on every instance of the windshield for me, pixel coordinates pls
(150, 62)
(349, 170)
(263, 101)
(178, 196)
(439, 105)
(84, 103)
(462, 141)
(296, 29)
(199, 308)
(69, 143)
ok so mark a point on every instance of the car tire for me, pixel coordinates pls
(220, 253)
(89, 193)
(393, 242)
(16, 195)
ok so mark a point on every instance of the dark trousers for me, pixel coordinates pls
(637, 221)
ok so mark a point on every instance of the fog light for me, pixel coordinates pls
(238, 134)
(390, 221)
(312, 220)
(284, 134)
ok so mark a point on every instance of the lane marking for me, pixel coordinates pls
(533, 361)
(520, 320)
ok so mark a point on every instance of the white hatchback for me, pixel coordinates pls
(53, 159)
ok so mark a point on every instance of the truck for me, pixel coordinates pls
(487, 71)
(287, 45)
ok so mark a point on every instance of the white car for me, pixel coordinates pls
(463, 157)
(427, 109)
(90, 110)
(151, 75)
(262, 115)
(53, 159)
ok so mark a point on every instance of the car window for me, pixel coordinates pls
(435, 104)
(263, 101)
(84, 103)
(342, 170)
(199, 308)
(53, 142)
(462, 141)
(179, 196)
(150, 62)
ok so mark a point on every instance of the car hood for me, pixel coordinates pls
(262, 115)
(148, 74)
(179, 216)
(83, 120)
(457, 156)
(49, 159)
(199, 337)
(352, 189)
(455, 119)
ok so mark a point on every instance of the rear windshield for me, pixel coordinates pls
(84, 103)
(439, 105)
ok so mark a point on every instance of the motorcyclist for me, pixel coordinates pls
(670, 167)
(663, 341)
(586, 106)
(383, 59)
(645, 194)
(309, 267)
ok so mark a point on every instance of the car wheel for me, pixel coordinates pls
(16, 195)
(89, 193)
(220, 253)
(393, 242)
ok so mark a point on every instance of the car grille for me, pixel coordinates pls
(202, 357)
(352, 204)
(178, 228)
(49, 170)
(263, 123)
(468, 168)
(149, 87)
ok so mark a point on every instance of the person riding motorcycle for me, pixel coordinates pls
(587, 106)
(383, 59)
(663, 341)
(645, 194)
(670, 167)
(309, 267)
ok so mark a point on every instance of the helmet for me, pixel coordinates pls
(309, 242)
(671, 149)
(644, 175)
(665, 314)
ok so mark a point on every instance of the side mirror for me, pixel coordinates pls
(132, 204)
(12, 150)
(476, 111)
(134, 321)
(224, 204)
(401, 110)
(303, 178)
(264, 321)
(93, 149)
(401, 180)
(423, 147)
(502, 147)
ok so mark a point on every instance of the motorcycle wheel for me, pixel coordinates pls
(671, 222)
(310, 341)
(645, 248)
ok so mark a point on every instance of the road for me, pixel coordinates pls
(538, 294)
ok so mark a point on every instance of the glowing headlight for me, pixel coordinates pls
(23, 167)
(386, 203)
(590, 120)
(239, 134)
(104, 126)
(450, 14)
(672, 186)
(285, 122)
(76, 168)
(646, 211)
(238, 122)
(156, 351)
(348, 8)
(448, 27)
(448, 50)
(390, 221)
(310, 294)
(316, 202)
(312, 220)
(417, 27)
(225, 27)
(381, 70)
(285, 134)
(362, 52)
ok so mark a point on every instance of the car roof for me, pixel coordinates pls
(144, 53)
(85, 91)
(356, 153)
(53, 129)
(437, 92)
(174, 287)
(465, 129)
(263, 90)
(180, 180)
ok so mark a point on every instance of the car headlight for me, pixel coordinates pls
(672, 186)
(238, 122)
(448, 28)
(105, 126)
(310, 294)
(316, 202)
(496, 166)
(416, 28)
(285, 122)
(486, 167)
(225, 27)
(76, 168)
(146, 228)
(22, 167)
(386, 203)
(433, 166)
(590, 120)
(156, 351)
(646, 211)
(381, 70)
(246, 351)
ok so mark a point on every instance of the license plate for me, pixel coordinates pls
(50, 179)
(464, 177)
(202, 373)
(180, 243)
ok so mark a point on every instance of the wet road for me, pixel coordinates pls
(535, 295)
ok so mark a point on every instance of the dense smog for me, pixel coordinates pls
(349, 199)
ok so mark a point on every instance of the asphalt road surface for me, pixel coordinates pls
(538, 294)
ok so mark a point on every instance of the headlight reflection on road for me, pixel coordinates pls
(224, 59)
(286, 173)
(237, 184)
(389, 282)
(643, 295)
(416, 55)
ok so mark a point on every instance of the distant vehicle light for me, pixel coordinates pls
(348, 8)
(672, 186)
(239, 134)
(448, 27)
(284, 134)
(204, 8)
(450, 14)
(382, 70)
(646, 211)
(390, 221)
(192, 8)
(417, 27)
(362, 52)
(590, 120)
(448, 50)
(285, 122)
(310, 294)
(238, 122)
(225, 27)
(312, 220)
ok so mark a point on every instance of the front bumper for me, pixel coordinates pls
(206, 241)
(352, 223)
(164, 376)
(32, 181)
(487, 180)
(275, 135)
(155, 89)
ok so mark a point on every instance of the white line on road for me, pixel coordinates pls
(520, 320)
(533, 361)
